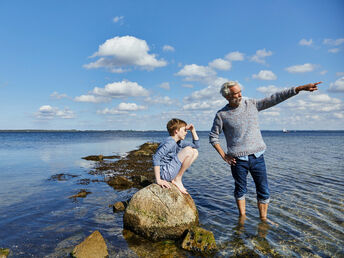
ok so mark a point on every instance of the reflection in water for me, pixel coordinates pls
(307, 192)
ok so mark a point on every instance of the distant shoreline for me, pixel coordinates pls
(143, 131)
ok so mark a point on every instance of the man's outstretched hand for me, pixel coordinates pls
(307, 87)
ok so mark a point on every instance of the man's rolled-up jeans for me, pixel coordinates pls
(257, 168)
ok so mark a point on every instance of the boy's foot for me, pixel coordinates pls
(180, 186)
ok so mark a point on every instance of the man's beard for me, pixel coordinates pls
(234, 102)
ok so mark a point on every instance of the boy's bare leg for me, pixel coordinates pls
(241, 207)
(187, 156)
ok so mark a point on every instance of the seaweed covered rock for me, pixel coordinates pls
(160, 213)
(93, 246)
(4, 252)
(199, 240)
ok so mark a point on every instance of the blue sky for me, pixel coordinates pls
(136, 64)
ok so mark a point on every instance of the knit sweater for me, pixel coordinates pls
(240, 124)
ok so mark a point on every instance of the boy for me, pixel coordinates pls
(174, 155)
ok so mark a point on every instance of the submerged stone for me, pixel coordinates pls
(61, 177)
(159, 213)
(120, 182)
(4, 252)
(93, 246)
(199, 240)
(119, 206)
(81, 194)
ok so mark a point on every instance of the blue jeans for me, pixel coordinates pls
(257, 168)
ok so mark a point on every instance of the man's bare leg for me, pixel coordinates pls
(241, 207)
(187, 156)
(263, 213)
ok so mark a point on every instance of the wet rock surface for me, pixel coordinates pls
(62, 177)
(81, 194)
(93, 246)
(158, 213)
(100, 157)
(199, 240)
(120, 206)
(4, 252)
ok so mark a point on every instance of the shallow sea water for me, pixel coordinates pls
(306, 178)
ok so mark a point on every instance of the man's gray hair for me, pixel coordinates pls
(225, 88)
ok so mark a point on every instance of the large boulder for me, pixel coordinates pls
(93, 246)
(159, 213)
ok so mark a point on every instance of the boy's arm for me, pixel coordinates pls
(159, 181)
(195, 138)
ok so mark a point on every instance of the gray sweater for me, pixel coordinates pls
(240, 125)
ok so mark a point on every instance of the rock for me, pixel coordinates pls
(61, 177)
(4, 252)
(119, 206)
(199, 240)
(120, 182)
(94, 157)
(81, 194)
(159, 213)
(93, 246)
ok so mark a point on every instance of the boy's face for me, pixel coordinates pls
(181, 133)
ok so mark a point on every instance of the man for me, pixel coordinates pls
(245, 146)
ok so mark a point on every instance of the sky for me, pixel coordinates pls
(135, 64)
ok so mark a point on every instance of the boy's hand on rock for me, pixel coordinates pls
(163, 184)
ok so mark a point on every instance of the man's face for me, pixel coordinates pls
(235, 96)
(182, 132)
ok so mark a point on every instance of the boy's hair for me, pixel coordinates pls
(174, 124)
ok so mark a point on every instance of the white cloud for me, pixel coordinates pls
(270, 113)
(338, 115)
(320, 98)
(337, 86)
(130, 107)
(195, 72)
(305, 42)
(301, 68)
(118, 19)
(220, 64)
(323, 72)
(333, 42)
(268, 90)
(57, 95)
(160, 100)
(123, 108)
(121, 89)
(49, 112)
(317, 103)
(339, 73)
(265, 75)
(206, 105)
(260, 55)
(334, 50)
(212, 91)
(168, 48)
(91, 98)
(125, 51)
(165, 85)
(235, 56)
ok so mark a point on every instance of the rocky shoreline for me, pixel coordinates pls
(164, 218)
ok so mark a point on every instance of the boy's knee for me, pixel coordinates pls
(195, 153)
